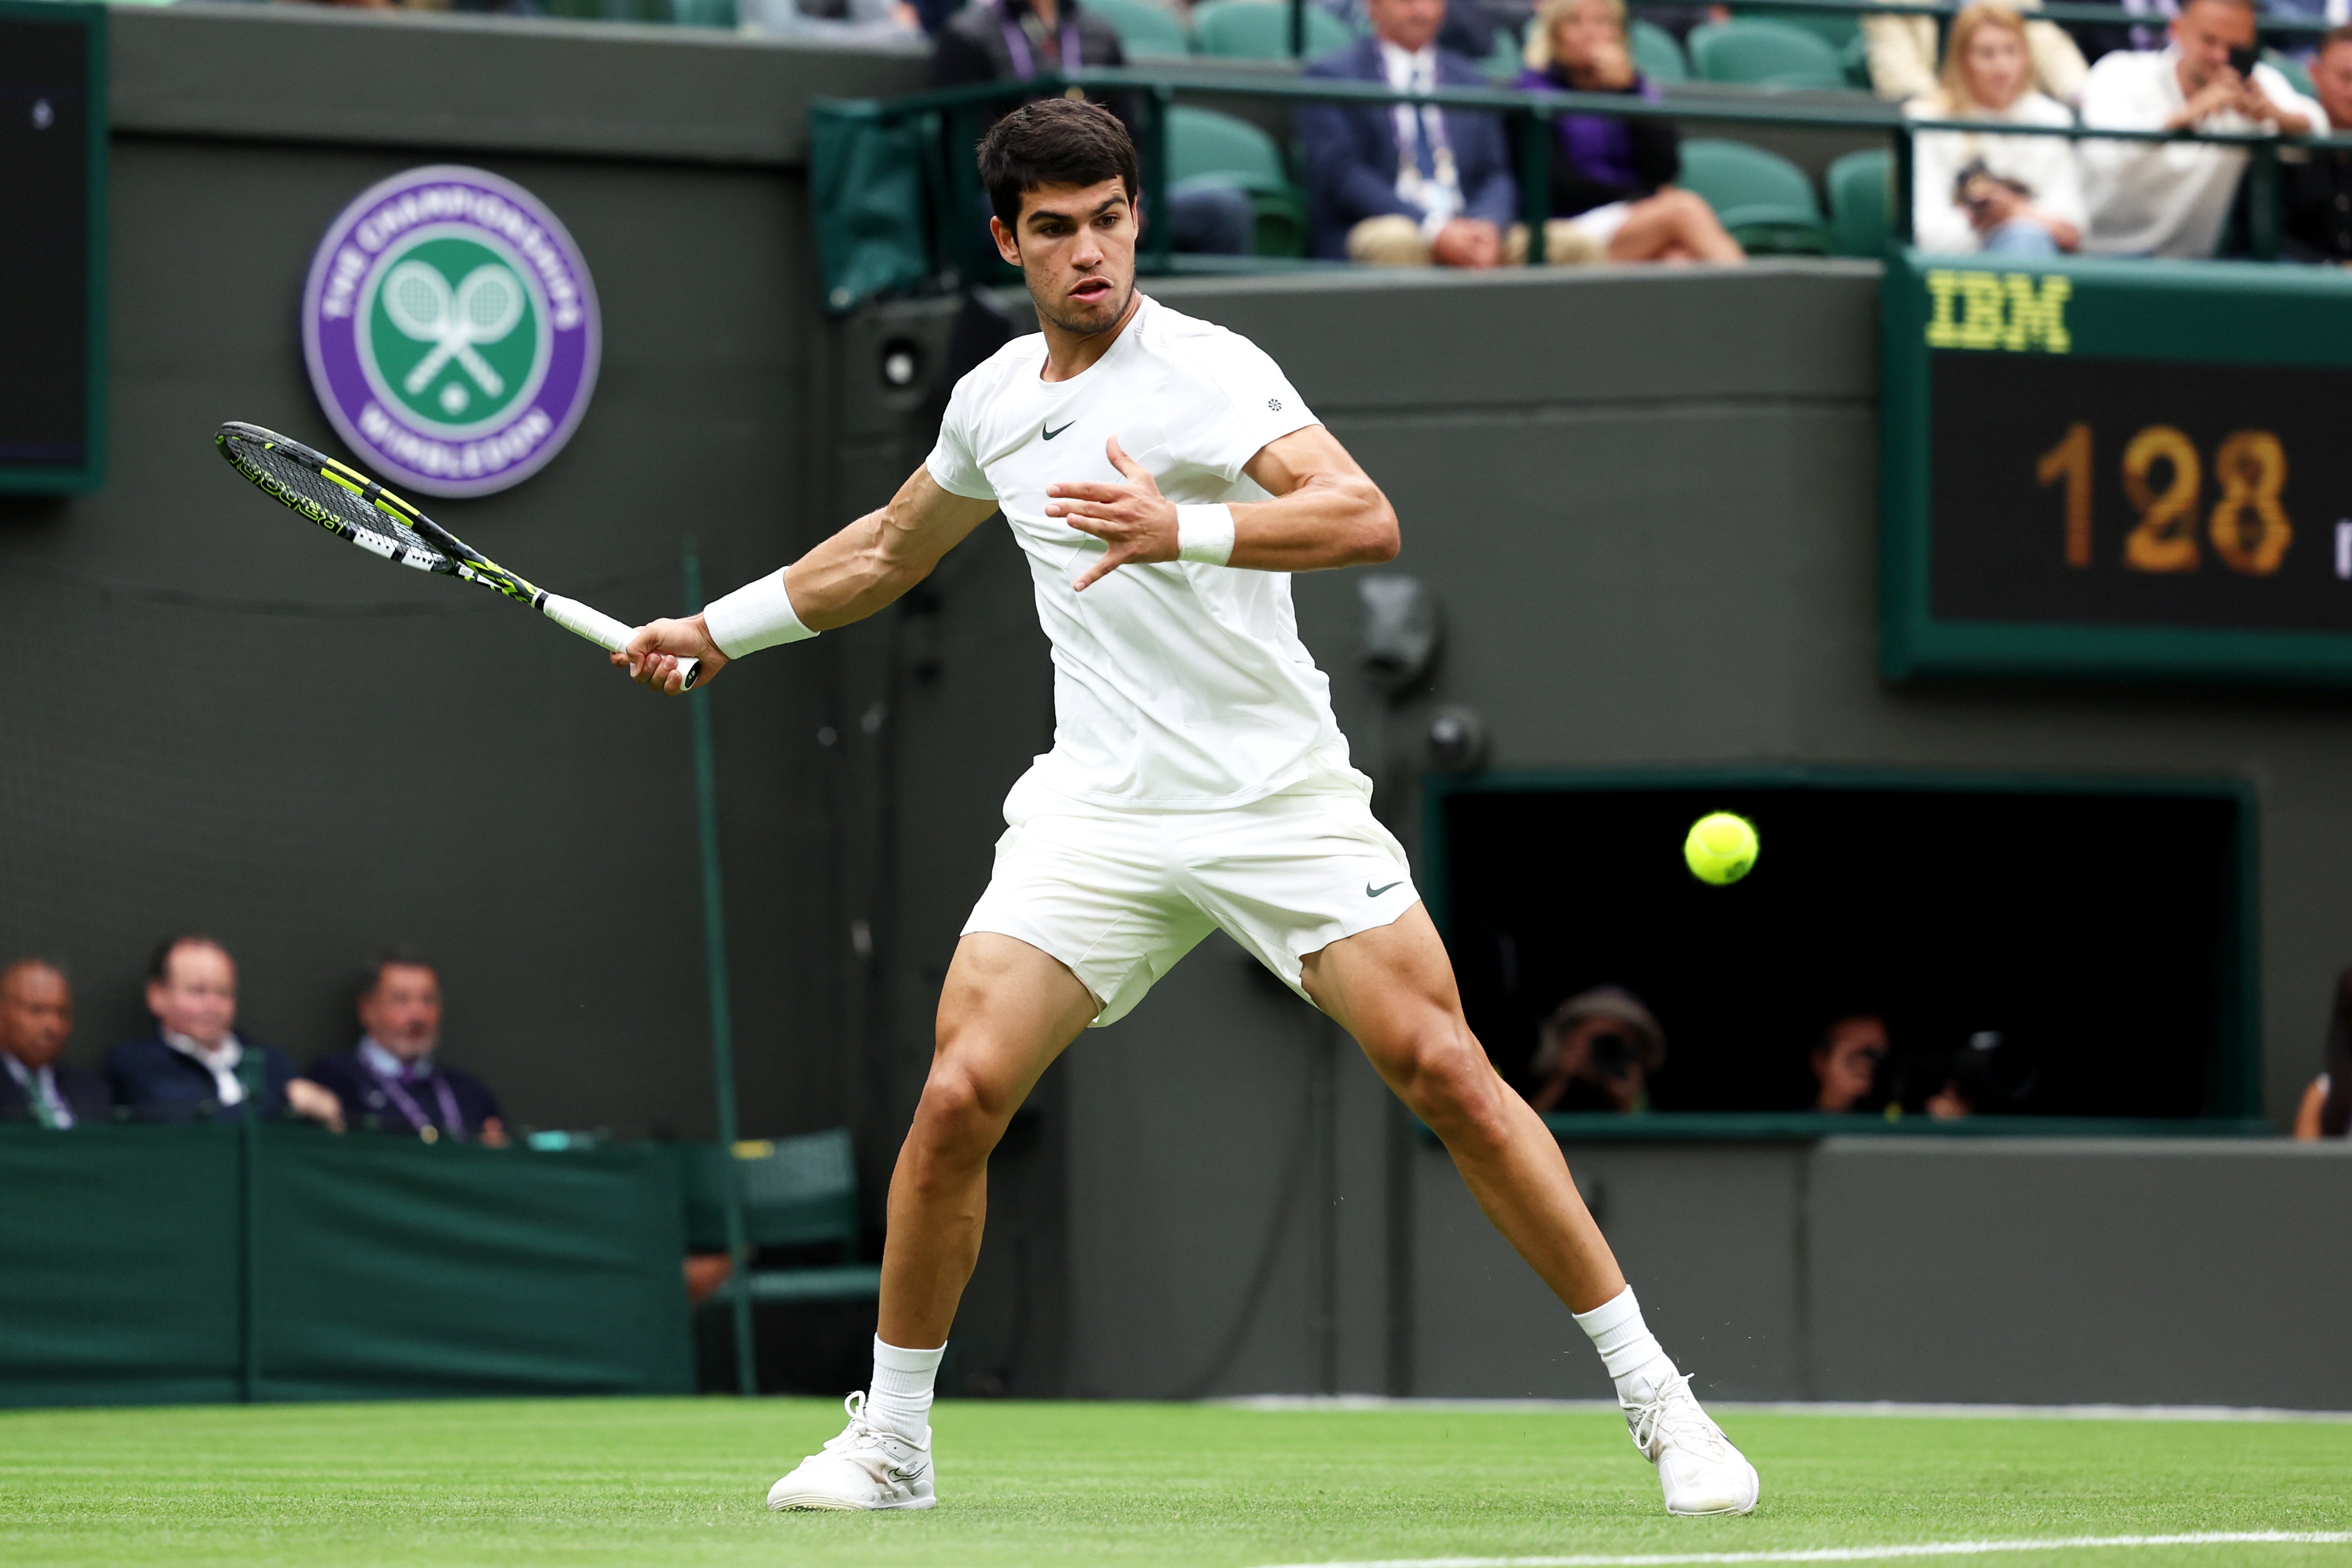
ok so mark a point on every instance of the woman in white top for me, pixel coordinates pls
(1980, 191)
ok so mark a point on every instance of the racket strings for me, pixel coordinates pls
(344, 502)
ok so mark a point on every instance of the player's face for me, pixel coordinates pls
(1076, 247)
(198, 996)
(36, 1013)
(403, 1011)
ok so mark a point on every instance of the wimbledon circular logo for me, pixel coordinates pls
(451, 330)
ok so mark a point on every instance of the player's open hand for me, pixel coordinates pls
(655, 649)
(1134, 518)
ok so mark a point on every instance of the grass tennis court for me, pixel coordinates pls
(681, 1482)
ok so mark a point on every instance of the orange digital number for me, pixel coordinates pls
(2166, 538)
(2249, 528)
(2070, 460)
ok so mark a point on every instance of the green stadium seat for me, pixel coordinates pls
(797, 1192)
(1657, 54)
(1503, 62)
(1146, 31)
(1767, 55)
(1765, 200)
(2290, 68)
(1260, 31)
(1862, 189)
(1204, 145)
(1835, 28)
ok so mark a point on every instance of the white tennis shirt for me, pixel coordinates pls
(1175, 684)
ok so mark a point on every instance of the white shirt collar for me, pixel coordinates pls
(1415, 67)
(221, 1061)
(379, 1055)
(42, 1081)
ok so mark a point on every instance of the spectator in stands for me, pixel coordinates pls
(1393, 184)
(2006, 195)
(1012, 40)
(2326, 1108)
(1612, 195)
(1847, 1063)
(1903, 51)
(2318, 186)
(195, 1066)
(1597, 1053)
(389, 1081)
(2163, 198)
(36, 1018)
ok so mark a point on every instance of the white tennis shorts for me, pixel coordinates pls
(1119, 895)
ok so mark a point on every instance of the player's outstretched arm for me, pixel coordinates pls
(1325, 513)
(845, 579)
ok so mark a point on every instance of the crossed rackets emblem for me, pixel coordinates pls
(483, 309)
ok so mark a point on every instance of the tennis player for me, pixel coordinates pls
(1165, 479)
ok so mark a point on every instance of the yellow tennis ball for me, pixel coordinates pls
(1721, 847)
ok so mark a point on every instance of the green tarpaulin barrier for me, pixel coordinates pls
(155, 1265)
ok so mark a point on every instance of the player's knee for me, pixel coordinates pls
(1450, 1085)
(958, 1115)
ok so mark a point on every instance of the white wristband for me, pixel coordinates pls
(1205, 534)
(756, 615)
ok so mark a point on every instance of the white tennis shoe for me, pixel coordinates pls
(865, 1468)
(1700, 1470)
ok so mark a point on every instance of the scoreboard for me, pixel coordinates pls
(52, 245)
(2106, 469)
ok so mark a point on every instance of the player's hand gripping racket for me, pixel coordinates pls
(351, 505)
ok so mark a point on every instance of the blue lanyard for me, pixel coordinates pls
(416, 1113)
(1016, 42)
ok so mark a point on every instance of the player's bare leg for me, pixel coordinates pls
(1006, 1011)
(1393, 988)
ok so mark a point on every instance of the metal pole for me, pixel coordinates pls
(1535, 169)
(722, 1015)
(2263, 203)
(1160, 236)
(1297, 29)
(1898, 216)
(248, 1294)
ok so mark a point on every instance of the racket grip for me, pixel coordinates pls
(604, 630)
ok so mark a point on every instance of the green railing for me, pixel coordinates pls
(957, 225)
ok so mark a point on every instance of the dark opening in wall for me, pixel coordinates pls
(2100, 930)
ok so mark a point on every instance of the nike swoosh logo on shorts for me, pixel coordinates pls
(1051, 432)
(1372, 892)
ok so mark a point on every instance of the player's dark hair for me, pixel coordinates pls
(393, 955)
(1054, 142)
(159, 962)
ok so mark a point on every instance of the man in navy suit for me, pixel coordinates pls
(391, 1083)
(35, 1017)
(1405, 186)
(195, 1068)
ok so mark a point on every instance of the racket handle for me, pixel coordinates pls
(603, 630)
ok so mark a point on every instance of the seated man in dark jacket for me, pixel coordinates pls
(390, 1082)
(195, 1068)
(2318, 181)
(36, 1018)
(1012, 40)
(1399, 186)
(1611, 179)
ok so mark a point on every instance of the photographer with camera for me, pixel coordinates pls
(2168, 198)
(1980, 191)
(1597, 1053)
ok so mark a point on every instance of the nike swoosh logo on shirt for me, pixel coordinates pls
(1051, 432)
(1372, 892)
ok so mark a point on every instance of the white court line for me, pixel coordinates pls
(1868, 1553)
(1350, 1402)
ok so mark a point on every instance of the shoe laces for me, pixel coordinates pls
(878, 1452)
(1672, 1416)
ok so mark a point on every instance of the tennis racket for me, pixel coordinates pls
(351, 505)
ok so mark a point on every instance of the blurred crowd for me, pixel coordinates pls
(195, 1065)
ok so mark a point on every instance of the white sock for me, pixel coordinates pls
(1637, 1363)
(899, 1399)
